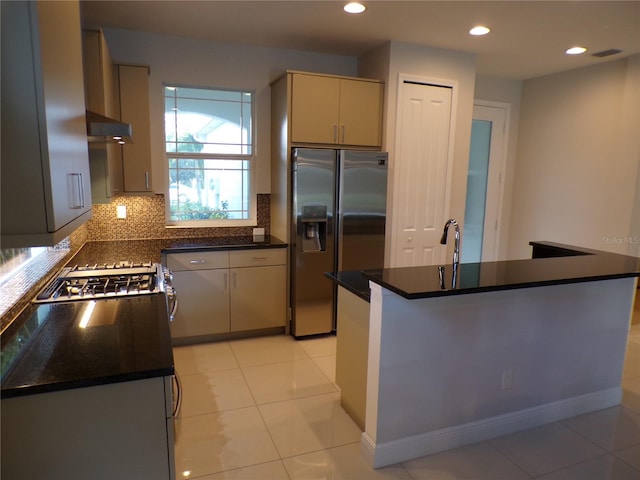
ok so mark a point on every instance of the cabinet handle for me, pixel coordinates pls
(146, 180)
(79, 190)
(82, 205)
(235, 276)
(335, 133)
(197, 262)
(257, 259)
(342, 128)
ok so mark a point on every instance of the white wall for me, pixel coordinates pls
(202, 63)
(506, 91)
(436, 365)
(577, 173)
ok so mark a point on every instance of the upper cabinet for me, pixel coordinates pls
(335, 110)
(45, 168)
(133, 83)
(101, 96)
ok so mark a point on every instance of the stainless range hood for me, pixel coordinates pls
(104, 129)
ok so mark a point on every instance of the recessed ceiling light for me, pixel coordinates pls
(479, 30)
(575, 51)
(354, 7)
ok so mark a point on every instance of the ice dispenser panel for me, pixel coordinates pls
(314, 228)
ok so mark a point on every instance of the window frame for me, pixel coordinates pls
(252, 220)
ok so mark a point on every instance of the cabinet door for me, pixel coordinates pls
(360, 113)
(105, 159)
(314, 109)
(258, 258)
(258, 297)
(66, 157)
(196, 260)
(116, 430)
(45, 167)
(134, 109)
(203, 297)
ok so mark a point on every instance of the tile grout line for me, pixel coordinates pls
(506, 457)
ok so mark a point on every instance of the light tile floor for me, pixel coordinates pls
(268, 409)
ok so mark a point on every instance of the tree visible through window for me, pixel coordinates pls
(209, 148)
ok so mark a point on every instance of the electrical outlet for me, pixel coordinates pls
(507, 379)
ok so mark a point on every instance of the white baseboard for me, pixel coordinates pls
(395, 451)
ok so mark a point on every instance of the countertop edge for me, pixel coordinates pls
(359, 292)
(553, 255)
(83, 383)
(498, 288)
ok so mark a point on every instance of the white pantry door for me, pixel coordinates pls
(421, 174)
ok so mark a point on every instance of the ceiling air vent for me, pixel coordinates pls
(606, 53)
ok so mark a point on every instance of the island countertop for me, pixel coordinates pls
(553, 264)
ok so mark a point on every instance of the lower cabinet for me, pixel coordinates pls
(114, 431)
(222, 292)
(204, 302)
(257, 297)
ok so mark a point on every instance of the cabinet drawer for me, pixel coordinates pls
(256, 258)
(197, 261)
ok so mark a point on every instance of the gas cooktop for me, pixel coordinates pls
(84, 282)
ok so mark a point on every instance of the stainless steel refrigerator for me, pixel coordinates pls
(339, 201)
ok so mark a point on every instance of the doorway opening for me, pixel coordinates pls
(485, 182)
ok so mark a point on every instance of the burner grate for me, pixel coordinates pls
(105, 280)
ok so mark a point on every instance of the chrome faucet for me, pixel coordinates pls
(443, 240)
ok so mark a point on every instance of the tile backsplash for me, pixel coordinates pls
(146, 219)
(20, 289)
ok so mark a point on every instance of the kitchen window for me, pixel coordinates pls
(210, 154)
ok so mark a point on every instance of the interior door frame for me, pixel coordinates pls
(500, 111)
(430, 81)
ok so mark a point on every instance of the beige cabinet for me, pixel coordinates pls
(257, 295)
(352, 354)
(201, 280)
(336, 110)
(45, 182)
(222, 292)
(101, 96)
(111, 431)
(133, 82)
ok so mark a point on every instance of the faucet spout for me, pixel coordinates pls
(443, 240)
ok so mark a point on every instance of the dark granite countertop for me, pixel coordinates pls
(552, 264)
(352, 280)
(50, 348)
(45, 349)
(579, 265)
(150, 250)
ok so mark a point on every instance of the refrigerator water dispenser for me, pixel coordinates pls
(314, 228)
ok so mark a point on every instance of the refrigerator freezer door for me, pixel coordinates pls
(314, 250)
(362, 209)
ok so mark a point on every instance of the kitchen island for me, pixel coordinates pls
(502, 347)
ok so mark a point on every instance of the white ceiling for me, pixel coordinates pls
(528, 38)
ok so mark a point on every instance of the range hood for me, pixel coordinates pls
(104, 129)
